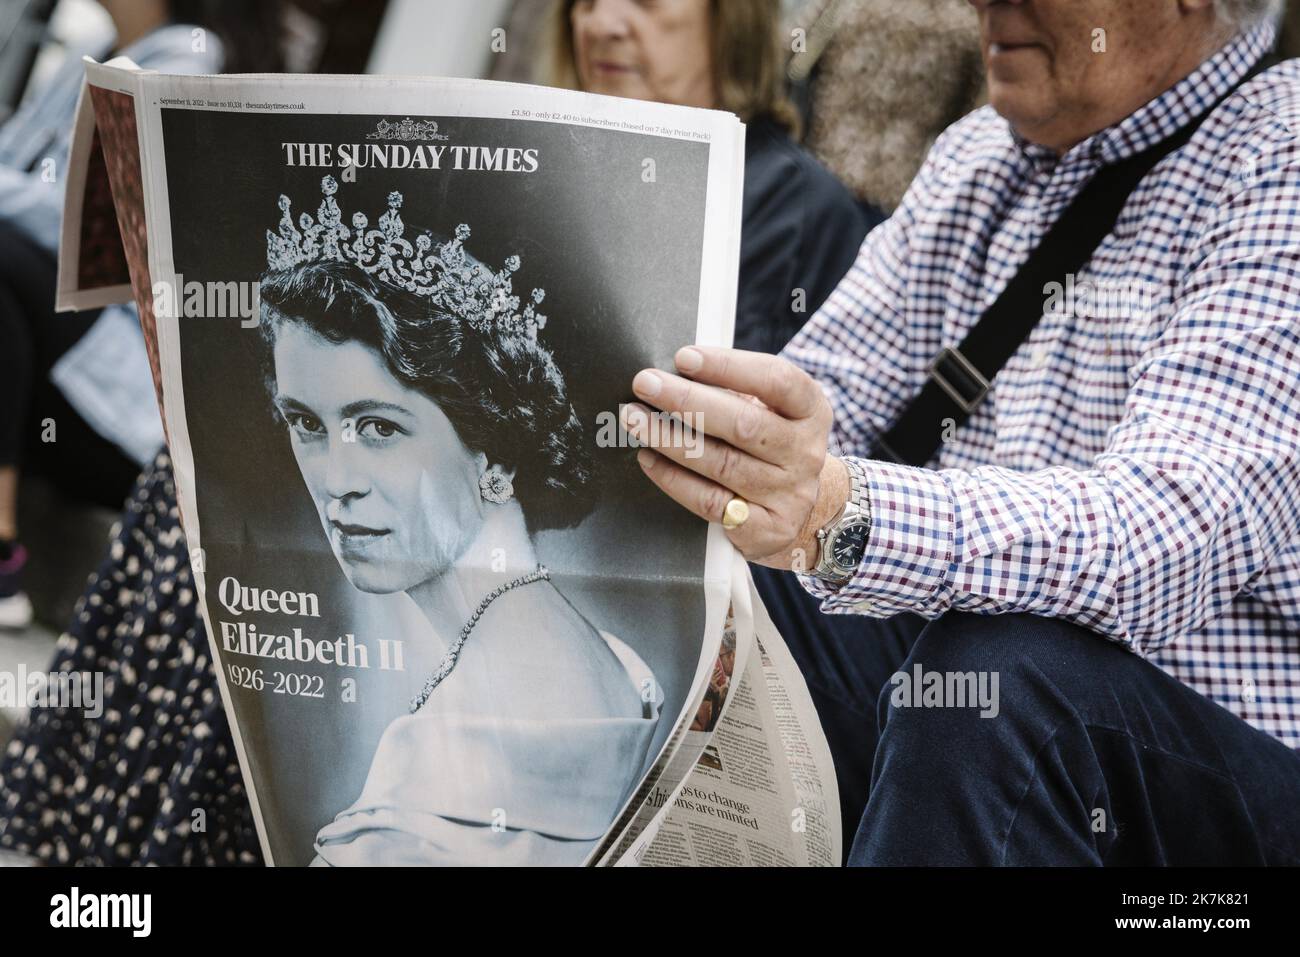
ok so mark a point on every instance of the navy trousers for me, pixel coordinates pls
(1091, 755)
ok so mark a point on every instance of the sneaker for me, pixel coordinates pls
(15, 606)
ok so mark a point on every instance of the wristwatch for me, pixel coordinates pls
(843, 540)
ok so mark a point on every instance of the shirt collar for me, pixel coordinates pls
(1170, 111)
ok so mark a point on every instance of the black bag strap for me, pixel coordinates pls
(958, 379)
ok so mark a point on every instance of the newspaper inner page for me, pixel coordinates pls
(656, 796)
(763, 791)
(93, 266)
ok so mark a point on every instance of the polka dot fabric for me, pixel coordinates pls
(154, 779)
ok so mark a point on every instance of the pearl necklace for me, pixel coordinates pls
(453, 653)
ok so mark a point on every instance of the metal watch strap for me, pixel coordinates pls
(860, 501)
(858, 493)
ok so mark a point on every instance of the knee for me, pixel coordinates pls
(978, 684)
(1010, 646)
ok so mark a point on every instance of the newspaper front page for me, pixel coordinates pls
(391, 324)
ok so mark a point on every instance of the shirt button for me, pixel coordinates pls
(865, 606)
(1039, 358)
(1247, 691)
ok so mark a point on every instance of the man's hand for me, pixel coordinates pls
(761, 432)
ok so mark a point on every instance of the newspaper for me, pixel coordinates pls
(391, 324)
(763, 791)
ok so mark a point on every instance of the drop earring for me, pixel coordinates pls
(495, 486)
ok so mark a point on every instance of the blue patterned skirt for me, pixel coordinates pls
(154, 779)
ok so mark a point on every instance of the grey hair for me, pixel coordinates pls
(1247, 13)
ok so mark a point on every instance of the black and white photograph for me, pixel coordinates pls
(481, 621)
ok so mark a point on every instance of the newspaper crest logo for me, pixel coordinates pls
(407, 130)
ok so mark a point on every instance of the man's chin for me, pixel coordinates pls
(1023, 108)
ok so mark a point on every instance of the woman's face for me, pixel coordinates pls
(395, 488)
(645, 49)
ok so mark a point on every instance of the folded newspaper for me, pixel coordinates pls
(391, 323)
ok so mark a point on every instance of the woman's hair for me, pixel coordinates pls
(748, 58)
(249, 31)
(501, 390)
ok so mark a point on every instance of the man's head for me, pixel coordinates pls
(1060, 70)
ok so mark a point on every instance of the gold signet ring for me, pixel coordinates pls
(735, 514)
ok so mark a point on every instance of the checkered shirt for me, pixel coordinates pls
(1136, 466)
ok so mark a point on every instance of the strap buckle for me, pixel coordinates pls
(958, 377)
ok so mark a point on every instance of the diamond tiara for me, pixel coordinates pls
(444, 275)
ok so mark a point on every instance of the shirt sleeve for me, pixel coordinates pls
(1194, 495)
(32, 201)
(860, 346)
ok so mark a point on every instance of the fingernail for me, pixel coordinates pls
(647, 384)
(689, 359)
(645, 458)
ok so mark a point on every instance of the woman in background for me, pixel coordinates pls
(800, 228)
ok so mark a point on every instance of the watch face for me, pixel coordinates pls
(849, 545)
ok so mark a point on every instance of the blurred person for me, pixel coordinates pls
(800, 228)
(77, 397)
(1094, 501)
(128, 787)
(885, 79)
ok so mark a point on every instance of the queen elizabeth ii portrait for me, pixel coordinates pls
(434, 433)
